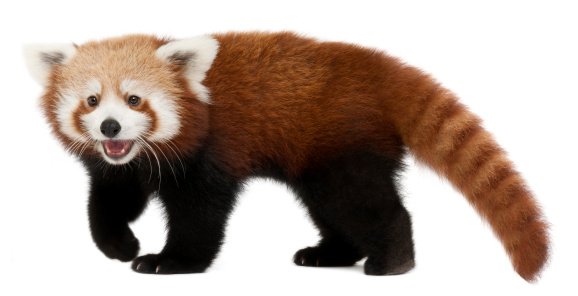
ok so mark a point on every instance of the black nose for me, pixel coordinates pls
(110, 128)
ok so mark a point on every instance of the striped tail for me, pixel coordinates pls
(442, 133)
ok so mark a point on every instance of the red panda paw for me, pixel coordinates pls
(378, 266)
(166, 264)
(326, 256)
(123, 247)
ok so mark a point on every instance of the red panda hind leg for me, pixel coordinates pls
(354, 202)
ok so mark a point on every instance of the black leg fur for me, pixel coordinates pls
(116, 198)
(328, 252)
(332, 250)
(197, 210)
(354, 199)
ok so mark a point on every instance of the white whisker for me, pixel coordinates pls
(168, 162)
(76, 144)
(139, 140)
(156, 157)
(168, 143)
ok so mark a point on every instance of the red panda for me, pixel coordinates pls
(195, 118)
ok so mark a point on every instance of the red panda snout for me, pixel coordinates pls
(110, 128)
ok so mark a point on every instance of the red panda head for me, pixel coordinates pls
(126, 97)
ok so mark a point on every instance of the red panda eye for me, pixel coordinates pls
(92, 101)
(133, 100)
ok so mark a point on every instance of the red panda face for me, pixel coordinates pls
(125, 97)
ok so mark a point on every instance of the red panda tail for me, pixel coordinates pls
(442, 133)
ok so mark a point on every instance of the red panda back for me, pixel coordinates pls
(295, 101)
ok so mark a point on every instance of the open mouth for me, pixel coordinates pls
(116, 148)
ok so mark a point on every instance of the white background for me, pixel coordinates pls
(513, 63)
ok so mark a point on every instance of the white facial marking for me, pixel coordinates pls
(69, 101)
(165, 108)
(198, 54)
(64, 114)
(133, 124)
(67, 104)
(94, 86)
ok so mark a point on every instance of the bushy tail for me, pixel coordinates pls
(443, 134)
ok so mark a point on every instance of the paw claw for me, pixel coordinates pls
(164, 264)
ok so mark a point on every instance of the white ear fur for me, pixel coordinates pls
(194, 54)
(41, 58)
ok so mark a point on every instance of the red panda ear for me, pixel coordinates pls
(42, 58)
(195, 55)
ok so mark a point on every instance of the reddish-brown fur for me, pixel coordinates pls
(291, 101)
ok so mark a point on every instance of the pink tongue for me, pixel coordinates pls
(115, 146)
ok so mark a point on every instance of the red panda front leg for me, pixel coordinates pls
(197, 209)
(116, 198)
